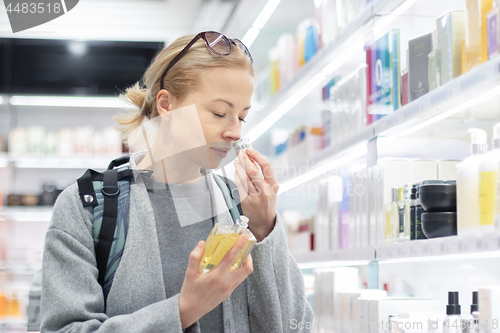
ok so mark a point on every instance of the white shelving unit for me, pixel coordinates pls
(470, 100)
(474, 244)
(61, 163)
(27, 214)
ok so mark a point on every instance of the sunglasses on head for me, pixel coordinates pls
(216, 42)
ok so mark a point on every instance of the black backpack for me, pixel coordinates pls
(108, 193)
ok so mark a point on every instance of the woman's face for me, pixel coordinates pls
(222, 101)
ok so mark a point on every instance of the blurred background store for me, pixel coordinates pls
(364, 107)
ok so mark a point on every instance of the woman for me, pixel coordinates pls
(197, 95)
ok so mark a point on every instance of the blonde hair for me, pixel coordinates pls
(181, 79)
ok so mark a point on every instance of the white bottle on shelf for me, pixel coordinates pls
(468, 215)
(488, 184)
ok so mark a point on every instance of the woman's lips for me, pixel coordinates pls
(220, 153)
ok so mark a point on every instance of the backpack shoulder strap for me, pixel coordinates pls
(230, 194)
(110, 191)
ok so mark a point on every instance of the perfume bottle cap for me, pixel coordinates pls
(414, 190)
(395, 195)
(474, 305)
(243, 220)
(242, 144)
(453, 307)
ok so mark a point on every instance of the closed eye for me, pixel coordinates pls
(222, 116)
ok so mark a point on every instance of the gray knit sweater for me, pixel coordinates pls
(269, 300)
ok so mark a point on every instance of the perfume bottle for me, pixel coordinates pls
(242, 144)
(453, 322)
(221, 239)
(413, 211)
(405, 217)
(392, 218)
(472, 321)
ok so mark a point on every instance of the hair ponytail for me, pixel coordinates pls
(131, 118)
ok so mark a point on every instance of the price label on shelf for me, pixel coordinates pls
(424, 103)
(450, 245)
(392, 252)
(372, 155)
(488, 242)
(404, 250)
(467, 243)
(381, 253)
(399, 117)
(417, 249)
(453, 89)
(434, 247)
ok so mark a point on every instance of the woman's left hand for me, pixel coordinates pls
(258, 194)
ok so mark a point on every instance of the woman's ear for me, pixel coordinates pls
(164, 101)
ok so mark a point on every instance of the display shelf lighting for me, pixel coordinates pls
(334, 263)
(260, 22)
(494, 92)
(348, 156)
(355, 45)
(67, 101)
(387, 20)
(448, 257)
(281, 110)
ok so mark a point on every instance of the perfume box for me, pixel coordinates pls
(395, 68)
(489, 305)
(381, 309)
(493, 19)
(476, 41)
(450, 32)
(380, 62)
(418, 67)
(433, 68)
(404, 87)
(361, 308)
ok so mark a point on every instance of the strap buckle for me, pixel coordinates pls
(110, 191)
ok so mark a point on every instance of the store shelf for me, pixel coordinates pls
(63, 163)
(464, 92)
(27, 214)
(56, 162)
(363, 254)
(4, 160)
(444, 246)
(471, 245)
(314, 72)
(9, 324)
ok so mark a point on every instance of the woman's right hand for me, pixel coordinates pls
(200, 293)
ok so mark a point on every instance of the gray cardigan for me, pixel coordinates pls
(269, 300)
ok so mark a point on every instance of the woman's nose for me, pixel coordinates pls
(232, 130)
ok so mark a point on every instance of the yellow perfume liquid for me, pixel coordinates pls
(14, 310)
(4, 304)
(221, 239)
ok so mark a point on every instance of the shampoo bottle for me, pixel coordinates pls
(488, 182)
(468, 214)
